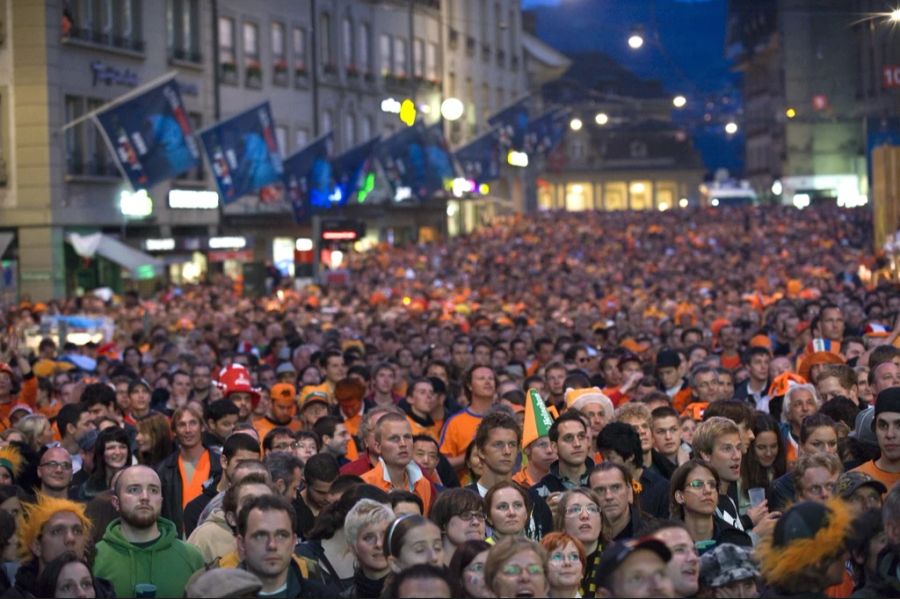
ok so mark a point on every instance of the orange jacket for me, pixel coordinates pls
(422, 487)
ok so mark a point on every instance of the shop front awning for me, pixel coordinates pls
(136, 261)
(5, 240)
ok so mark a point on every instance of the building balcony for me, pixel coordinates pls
(78, 167)
(253, 75)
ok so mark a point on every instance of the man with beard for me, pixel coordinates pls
(140, 547)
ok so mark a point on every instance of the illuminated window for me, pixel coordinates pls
(641, 193)
(615, 196)
(579, 197)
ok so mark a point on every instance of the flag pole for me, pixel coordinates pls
(112, 150)
(123, 98)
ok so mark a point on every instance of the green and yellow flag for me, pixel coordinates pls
(537, 419)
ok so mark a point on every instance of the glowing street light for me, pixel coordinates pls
(895, 16)
(452, 109)
(679, 101)
(576, 124)
(601, 119)
(790, 113)
(635, 41)
(731, 128)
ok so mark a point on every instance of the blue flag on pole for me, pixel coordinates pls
(305, 171)
(243, 152)
(350, 170)
(545, 132)
(480, 158)
(151, 135)
(416, 162)
(511, 124)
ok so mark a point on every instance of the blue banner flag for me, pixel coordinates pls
(305, 171)
(480, 158)
(545, 132)
(441, 168)
(349, 171)
(243, 153)
(151, 135)
(417, 162)
(511, 124)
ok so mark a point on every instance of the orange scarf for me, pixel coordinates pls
(191, 489)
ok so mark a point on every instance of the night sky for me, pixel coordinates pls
(684, 49)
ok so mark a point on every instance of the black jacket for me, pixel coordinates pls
(170, 479)
(554, 483)
(297, 586)
(540, 521)
(195, 507)
(26, 583)
(662, 465)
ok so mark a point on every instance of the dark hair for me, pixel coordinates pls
(69, 414)
(494, 420)
(462, 557)
(219, 409)
(419, 572)
(322, 467)
(651, 526)
(453, 502)
(46, 580)
(331, 519)
(113, 434)
(359, 370)
(10, 491)
(624, 440)
(840, 409)
(419, 381)
(427, 438)
(680, 479)
(395, 534)
(663, 412)
(278, 431)
(266, 503)
(300, 435)
(567, 416)
(7, 529)
(506, 484)
(100, 511)
(230, 499)
(753, 474)
(345, 482)
(733, 409)
(756, 351)
(812, 422)
(98, 393)
(863, 530)
(400, 496)
(281, 465)
(239, 442)
(327, 354)
(326, 425)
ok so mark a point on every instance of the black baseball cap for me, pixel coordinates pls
(619, 551)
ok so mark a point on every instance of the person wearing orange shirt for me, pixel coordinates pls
(480, 386)
(8, 396)
(183, 473)
(418, 406)
(349, 393)
(886, 468)
(396, 468)
(281, 410)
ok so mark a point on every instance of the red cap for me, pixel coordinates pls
(236, 379)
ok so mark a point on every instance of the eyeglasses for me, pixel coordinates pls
(575, 510)
(562, 557)
(57, 465)
(471, 515)
(516, 570)
(699, 485)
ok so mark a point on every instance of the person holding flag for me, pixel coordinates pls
(538, 449)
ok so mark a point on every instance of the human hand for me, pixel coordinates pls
(758, 512)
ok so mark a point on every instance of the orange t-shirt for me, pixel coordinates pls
(889, 479)
(458, 435)
(732, 362)
(418, 429)
(523, 479)
(264, 426)
(842, 589)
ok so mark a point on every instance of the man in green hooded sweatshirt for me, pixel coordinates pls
(139, 547)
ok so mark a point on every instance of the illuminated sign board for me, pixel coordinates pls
(193, 199)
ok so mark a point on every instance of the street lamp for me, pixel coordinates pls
(790, 113)
(679, 101)
(635, 41)
(895, 15)
(576, 124)
(601, 119)
(452, 109)
(731, 128)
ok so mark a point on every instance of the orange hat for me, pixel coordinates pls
(315, 393)
(577, 399)
(719, 324)
(633, 346)
(761, 341)
(783, 382)
(283, 393)
(816, 359)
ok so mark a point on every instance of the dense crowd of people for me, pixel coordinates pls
(701, 404)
